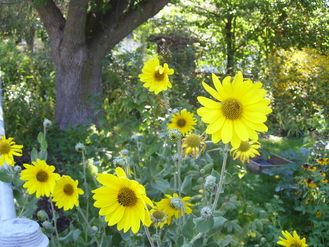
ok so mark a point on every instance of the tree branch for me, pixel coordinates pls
(53, 20)
(75, 28)
(115, 29)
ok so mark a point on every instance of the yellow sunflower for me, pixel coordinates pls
(174, 206)
(155, 76)
(239, 112)
(310, 168)
(183, 121)
(193, 145)
(291, 240)
(9, 149)
(66, 193)
(323, 161)
(40, 178)
(246, 151)
(310, 183)
(122, 201)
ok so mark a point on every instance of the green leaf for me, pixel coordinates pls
(43, 155)
(203, 225)
(187, 184)
(161, 185)
(34, 154)
(76, 234)
(42, 140)
(225, 241)
(5, 176)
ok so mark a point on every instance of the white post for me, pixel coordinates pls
(14, 231)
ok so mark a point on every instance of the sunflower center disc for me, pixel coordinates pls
(127, 197)
(193, 140)
(4, 147)
(232, 109)
(181, 122)
(68, 189)
(159, 76)
(42, 176)
(244, 146)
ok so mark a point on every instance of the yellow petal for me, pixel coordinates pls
(208, 103)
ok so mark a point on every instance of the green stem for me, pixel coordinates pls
(148, 235)
(158, 236)
(199, 235)
(222, 177)
(219, 188)
(86, 190)
(87, 223)
(179, 164)
(55, 221)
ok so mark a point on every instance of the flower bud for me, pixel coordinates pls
(46, 123)
(174, 135)
(42, 215)
(93, 230)
(177, 203)
(47, 225)
(176, 157)
(79, 147)
(119, 161)
(206, 212)
(17, 169)
(210, 183)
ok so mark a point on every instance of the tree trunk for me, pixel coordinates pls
(230, 43)
(78, 88)
(79, 41)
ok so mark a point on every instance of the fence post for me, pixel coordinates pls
(14, 231)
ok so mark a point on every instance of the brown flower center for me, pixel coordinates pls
(127, 197)
(193, 140)
(4, 147)
(244, 146)
(68, 189)
(232, 109)
(158, 75)
(181, 122)
(42, 176)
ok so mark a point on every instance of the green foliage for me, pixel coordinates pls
(133, 133)
(299, 81)
(28, 90)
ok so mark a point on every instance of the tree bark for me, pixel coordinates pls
(78, 88)
(79, 43)
(230, 45)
